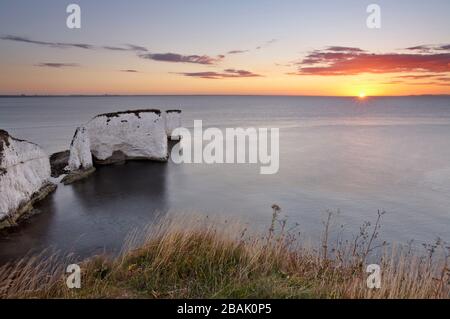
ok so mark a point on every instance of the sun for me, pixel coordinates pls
(362, 95)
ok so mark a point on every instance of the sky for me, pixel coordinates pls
(255, 47)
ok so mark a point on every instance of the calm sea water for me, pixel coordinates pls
(344, 154)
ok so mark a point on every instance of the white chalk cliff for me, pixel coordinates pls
(80, 151)
(24, 177)
(128, 135)
(173, 121)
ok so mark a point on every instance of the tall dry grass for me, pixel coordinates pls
(195, 257)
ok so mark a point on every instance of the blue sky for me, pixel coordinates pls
(205, 24)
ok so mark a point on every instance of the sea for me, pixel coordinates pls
(350, 156)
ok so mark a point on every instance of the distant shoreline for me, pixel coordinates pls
(214, 95)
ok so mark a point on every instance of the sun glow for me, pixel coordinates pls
(362, 95)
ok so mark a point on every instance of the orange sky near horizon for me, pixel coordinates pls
(42, 81)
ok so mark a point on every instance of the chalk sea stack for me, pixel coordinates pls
(114, 138)
(173, 121)
(80, 163)
(24, 178)
(129, 135)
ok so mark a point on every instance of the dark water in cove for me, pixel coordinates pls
(357, 156)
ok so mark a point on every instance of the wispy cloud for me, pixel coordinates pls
(417, 77)
(137, 48)
(113, 48)
(140, 51)
(60, 45)
(393, 82)
(127, 47)
(431, 79)
(228, 73)
(57, 65)
(179, 58)
(65, 45)
(266, 44)
(130, 71)
(344, 49)
(237, 51)
(259, 47)
(353, 61)
(429, 83)
(427, 48)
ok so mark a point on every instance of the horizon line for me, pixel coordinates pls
(243, 95)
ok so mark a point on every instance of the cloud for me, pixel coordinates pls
(259, 47)
(137, 48)
(141, 51)
(179, 58)
(417, 77)
(426, 48)
(64, 45)
(420, 48)
(228, 73)
(433, 79)
(60, 45)
(393, 82)
(237, 51)
(353, 61)
(444, 47)
(112, 48)
(266, 44)
(130, 71)
(344, 49)
(57, 65)
(286, 65)
(429, 83)
(127, 47)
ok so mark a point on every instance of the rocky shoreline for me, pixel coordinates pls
(25, 178)
(26, 209)
(28, 175)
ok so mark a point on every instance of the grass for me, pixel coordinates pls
(195, 257)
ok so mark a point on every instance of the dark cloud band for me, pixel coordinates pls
(60, 45)
(179, 58)
(226, 74)
(57, 65)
